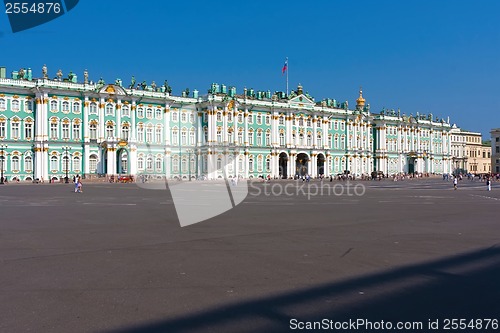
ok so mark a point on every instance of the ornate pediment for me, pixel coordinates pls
(112, 89)
(301, 101)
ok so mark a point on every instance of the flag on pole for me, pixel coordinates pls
(285, 66)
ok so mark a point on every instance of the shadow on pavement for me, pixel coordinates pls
(462, 286)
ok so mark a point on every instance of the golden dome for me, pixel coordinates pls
(360, 102)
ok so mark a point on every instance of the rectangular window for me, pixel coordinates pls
(65, 131)
(76, 131)
(53, 131)
(28, 131)
(2, 129)
(15, 131)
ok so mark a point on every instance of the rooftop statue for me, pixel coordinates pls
(100, 83)
(144, 85)
(70, 75)
(132, 82)
(59, 75)
(20, 74)
(153, 86)
(85, 77)
(168, 89)
(44, 72)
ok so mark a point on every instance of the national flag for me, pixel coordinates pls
(285, 66)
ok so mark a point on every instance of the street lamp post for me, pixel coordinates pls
(2, 161)
(66, 149)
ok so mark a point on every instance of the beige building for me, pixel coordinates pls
(495, 150)
(478, 154)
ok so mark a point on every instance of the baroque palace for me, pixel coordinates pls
(53, 127)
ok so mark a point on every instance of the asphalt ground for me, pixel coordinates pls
(115, 259)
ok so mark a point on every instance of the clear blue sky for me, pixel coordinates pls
(420, 56)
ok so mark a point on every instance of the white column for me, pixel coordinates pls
(118, 117)
(245, 139)
(199, 126)
(315, 127)
(133, 159)
(166, 125)
(133, 128)
(246, 160)
(102, 125)
(224, 126)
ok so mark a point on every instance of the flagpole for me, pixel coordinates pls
(287, 76)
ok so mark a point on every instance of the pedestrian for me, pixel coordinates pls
(488, 184)
(79, 185)
(455, 183)
(75, 180)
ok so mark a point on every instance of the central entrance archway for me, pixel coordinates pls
(321, 164)
(301, 164)
(122, 161)
(283, 165)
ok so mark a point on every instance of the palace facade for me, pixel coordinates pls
(50, 127)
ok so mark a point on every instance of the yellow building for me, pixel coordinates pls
(478, 154)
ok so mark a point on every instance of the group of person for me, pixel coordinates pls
(78, 184)
(456, 178)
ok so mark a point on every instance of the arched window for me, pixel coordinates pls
(219, 163)
(268, 164)
(65, 106)
(125, 111)
(15, 105)
(140, 163)
(219, 116)
(183, 117)
(109, 109)
(320, 140)
(149, 163)
(15, 163)
(93, 163)
(54, 163)
(158, 113)
(159, 164)
(149, 113)
(282, 139)
(268, 138)
(93, 131)
(3, 104)
(125, 132)
(76, 107)
(76, 164)
(110, 131)
(53, 106)
(309, 139)
(28, 163)
(140, 113)
(93, 108)
(175, 165)
(250, 164)
(240, 138)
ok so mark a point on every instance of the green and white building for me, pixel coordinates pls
(50, 127)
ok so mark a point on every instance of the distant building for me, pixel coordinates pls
(52, 126)
(495, 150)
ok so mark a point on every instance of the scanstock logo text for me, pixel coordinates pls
(27, 14)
